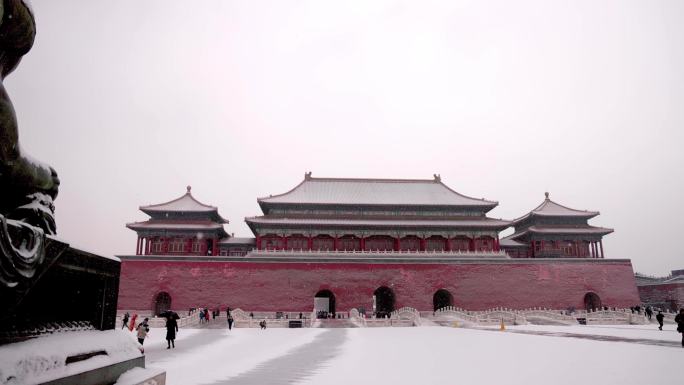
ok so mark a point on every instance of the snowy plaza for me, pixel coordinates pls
(419, 355)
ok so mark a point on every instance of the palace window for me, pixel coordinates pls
(435, 244)
(323, 242)
(349, 243)
(460, 244)
(177, 245)
(484, 244)
(410, 243)
(298, 242)
(157, 246)
(196, 245)
(379, 242)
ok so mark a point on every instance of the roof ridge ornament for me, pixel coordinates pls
(437, 177)
(546, 194)
(307, 175)
(188, 188)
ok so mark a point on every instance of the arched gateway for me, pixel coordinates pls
(592, 301)
(442, 298)
(162, 302)
(384, 301)
(324, 301)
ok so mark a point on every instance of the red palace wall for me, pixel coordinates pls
(291, 286)
(667, 295)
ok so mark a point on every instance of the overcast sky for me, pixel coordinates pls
(131, 101)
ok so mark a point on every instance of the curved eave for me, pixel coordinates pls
(266, 202)
(216, 216)
(267, 206)
(141, 226)
(602, 231)
(492, 224)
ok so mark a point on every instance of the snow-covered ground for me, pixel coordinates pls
(423, 355)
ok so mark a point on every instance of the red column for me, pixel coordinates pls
(496, 244)
(188, 245)
(447, 245)
(362, 243)
(532, 248)
(310, 243)
(214, 247)
(203, 246)
(471, 244)
(137, 247)
(336, 244)
(258, 242)
(601, 245)
(165, 245)
(422, 244)
(397, 244)
(284, 240)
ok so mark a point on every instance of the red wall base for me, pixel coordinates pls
(268, 286)
(668, 296)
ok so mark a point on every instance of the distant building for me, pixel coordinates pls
(665, 293)
(377, 244)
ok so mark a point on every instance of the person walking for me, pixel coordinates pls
(201, 315)
(230, 322)
(649, 312)
(679, 319)
(659, 318)
(171, 330)
(125, 321)
(143, 329)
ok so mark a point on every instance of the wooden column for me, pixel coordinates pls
(447, 245)
(203, 246)
(496, 244)
(423, 242)
(471, 244)
(214, 247)
(362, 243)
(284, 241)
(310, 242)
(188, 246)
(137, 247)
(258, 242)
(397, 244)
(601, 245)
(336, 242)
(532, 249)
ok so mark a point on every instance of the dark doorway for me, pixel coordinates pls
(442, 298)
(321, 312)
(592, 301)
(162, 303)
(384, 301)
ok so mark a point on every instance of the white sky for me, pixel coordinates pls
(131, 101)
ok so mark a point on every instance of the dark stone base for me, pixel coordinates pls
(71, 289)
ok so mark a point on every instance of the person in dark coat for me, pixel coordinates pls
(649, 312)
(125, 321)
(659, 318)
(679, 319)
(171, 329)
(230, 322)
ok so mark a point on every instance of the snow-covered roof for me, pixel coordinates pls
(168, 225)
(509, 242)
(468, 222)
(570, 230)
(185, 203)
(238, 241)
(349, 191)
(550, 208)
